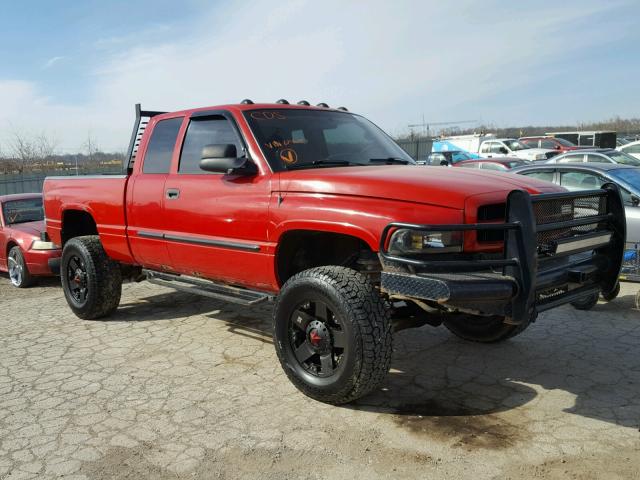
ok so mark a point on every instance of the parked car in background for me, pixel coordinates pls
(489, 146)
(559, 144)
(631, 148)
(446, 158)
(25, 252)
(590, 176)
(596, 155)
(498, 164)
(599, 139)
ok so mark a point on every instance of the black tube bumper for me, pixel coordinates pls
(558, 248)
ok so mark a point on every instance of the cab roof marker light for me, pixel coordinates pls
(247, 101)
(322, 104)
(304, 102)
(344, 109)
(282, 101)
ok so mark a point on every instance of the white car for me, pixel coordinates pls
(489, 146)
(632, 148)
(510, 147)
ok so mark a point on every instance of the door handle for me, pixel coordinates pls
(173, 193)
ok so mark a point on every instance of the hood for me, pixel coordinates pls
(30, 228)
(441, 186)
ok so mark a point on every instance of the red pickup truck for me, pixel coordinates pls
(320, 211)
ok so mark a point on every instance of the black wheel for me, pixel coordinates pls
(586, 303)
(332, 334)
(91, 281)
(610, 296)
(18, 271)
(480, 329)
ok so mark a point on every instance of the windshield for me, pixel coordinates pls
(460, 156)
(624, 159)
(630, 176)
(22, 211)
(292, 139)
(564, 142)
(515, 145)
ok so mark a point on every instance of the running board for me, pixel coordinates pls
(207, 288)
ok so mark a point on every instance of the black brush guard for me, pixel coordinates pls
(554, 253)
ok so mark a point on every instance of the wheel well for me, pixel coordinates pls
(300, 250)
(76, 223)
(10, 245)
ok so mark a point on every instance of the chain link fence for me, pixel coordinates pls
(32, 182)
(416, 147)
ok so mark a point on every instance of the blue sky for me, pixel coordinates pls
(71, 68)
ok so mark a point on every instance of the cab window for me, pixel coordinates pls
(493, 166)
(572, 159)
(157, 159)
(201, 132)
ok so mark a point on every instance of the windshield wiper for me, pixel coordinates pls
(321, 163)
(390, 161)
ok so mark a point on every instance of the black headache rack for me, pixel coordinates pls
(558, 247)
(139, 126)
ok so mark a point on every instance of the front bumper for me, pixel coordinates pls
(550, 257)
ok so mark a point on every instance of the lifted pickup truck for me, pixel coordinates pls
(319, 210)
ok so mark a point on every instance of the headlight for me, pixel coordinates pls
(419, 241)
(40, 245)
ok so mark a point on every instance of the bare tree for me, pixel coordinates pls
(91, 148)
(23, 149)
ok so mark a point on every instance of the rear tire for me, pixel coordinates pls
(18, 270)
(480, 329)
(332, 334)
(91, 281)
(586, 303)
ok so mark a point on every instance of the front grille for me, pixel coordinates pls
(496, 212)
(561, 210)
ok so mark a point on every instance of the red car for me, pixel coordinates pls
(559, 144)
(25, 251)
(319, 210)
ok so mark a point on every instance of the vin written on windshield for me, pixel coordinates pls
(295, 139)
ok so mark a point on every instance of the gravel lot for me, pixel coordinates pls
(177, 386)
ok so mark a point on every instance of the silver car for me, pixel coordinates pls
(589, 176)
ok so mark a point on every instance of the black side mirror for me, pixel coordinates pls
(223, 158)
(635, 201)
(444, 163)
(503, 150)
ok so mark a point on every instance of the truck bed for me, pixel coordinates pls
(102, 196)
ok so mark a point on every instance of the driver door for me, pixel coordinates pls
(216, 224)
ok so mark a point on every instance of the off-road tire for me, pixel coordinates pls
(103, 278)
(26, 279)
(365, 321)
(613, 295)
(479, 329)
(586, 303)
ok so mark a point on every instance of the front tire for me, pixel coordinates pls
(332, 334)
(18, 270)
(91, 281)
(475, 328)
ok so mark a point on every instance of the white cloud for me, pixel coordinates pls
(392, 61)
(52, 61)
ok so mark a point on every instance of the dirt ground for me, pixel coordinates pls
(177, 386)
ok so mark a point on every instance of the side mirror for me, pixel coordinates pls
(504, 150)
(444, 163)
(635, 201)
(223, 158)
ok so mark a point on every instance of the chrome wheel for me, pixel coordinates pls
(16, 273)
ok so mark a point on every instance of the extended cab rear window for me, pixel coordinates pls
(157, 159)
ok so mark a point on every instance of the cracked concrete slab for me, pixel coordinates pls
(175, 385)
